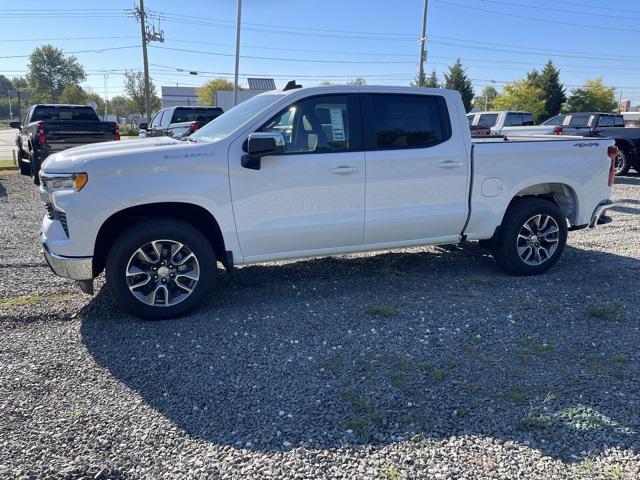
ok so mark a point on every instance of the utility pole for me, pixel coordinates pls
(147, 36)
(235, 77)
(423, 40)
(106, 97)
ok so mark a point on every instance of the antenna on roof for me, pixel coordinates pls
(291, 85)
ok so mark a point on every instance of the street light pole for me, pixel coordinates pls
(235, 78)
(423, 39)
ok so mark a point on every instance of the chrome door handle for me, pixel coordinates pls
(344, 170)
(450, 164)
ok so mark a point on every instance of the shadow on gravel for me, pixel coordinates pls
(381, 348)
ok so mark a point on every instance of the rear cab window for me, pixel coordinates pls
(488, 120)
(45, 113)
(579, 121)
(397, 121)
(605, 121)
(202, 115)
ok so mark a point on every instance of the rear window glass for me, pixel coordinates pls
(618, 121)
(63, 113)
(579, 120)
(605, 121)
(202, 115)
(557, 120)
(488, 120)
(409, 121)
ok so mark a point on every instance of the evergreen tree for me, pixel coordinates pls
(457, 79)
(554, 92)
(429, 82)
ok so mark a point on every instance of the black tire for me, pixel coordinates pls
(35, 167)
(622, 163)
(507, 248)
(165, 229)
(25, 168)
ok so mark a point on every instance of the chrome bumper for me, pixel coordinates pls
(75, 268)
(599, 214)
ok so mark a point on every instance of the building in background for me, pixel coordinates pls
(181, 96)
(625, 106)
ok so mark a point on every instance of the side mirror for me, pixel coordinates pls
(260, 144)
(14, 125)
(143, 126)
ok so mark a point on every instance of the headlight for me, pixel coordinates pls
(54, 182)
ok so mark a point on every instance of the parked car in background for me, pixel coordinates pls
(179, 122)
(604, 125)
(282, 175)
(48, 129)
(509, 123)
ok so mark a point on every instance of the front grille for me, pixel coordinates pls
(54, 214)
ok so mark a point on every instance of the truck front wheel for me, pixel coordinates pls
(532, 237)
(160, 268)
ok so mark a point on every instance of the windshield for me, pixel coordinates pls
(229, 121)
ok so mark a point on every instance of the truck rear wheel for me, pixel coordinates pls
(532, 237)
(160, 268)
(621, 163)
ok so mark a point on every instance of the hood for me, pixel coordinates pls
(69, 161)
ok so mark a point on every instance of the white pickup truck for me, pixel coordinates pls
(312, 172)
(510, 122)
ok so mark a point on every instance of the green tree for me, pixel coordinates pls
(19, 82)
(484, 101)
(521, 95)
(120, 106)
(457, 79)
(428, 82)
(5, 85)
(207, 93)
(73, 94)
(595, 96)
(50, 71)
(134, 86)
(554, 91)
(358, 81)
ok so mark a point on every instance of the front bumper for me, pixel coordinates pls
(74, 268)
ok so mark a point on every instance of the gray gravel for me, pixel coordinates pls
(423, 363)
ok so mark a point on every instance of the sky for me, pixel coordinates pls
(498, 41)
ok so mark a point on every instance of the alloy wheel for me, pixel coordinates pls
(162, 273)
(538, 239)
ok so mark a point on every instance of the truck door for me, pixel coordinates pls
(310, 197)
(417, 169)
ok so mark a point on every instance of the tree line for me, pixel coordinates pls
(541, 92)
(53, 77)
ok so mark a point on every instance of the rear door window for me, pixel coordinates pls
(579, 120)
(513, 120)
(405, 121)
(605, 121)
(488, 120)
(527, 119)
(618, 121)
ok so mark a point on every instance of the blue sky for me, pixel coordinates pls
(312, 40)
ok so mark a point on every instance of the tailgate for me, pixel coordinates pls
(67, 134)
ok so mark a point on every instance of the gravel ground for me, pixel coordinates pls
(422, 363)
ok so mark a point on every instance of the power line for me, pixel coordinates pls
(94, 50)
(544, 20)
(561, 10)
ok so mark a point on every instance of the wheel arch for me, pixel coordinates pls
(195, 215)
(563, 195)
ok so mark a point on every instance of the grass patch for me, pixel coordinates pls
(388, 310)
(333, 364)
(534, 347)
(79, 413)
(28, 300)
(366, 414)
(7, 163)
(518, 394)
(620, 360)
(390, 473)
(479, 280)
(398, 380)
(606, 310)
(438, 374)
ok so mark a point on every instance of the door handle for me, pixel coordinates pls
(344, 170)
(450, 164)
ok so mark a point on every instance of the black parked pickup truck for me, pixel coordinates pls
(48, 129)
(179, 122)
(605, 125)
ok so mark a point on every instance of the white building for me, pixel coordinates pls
(180, 96)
